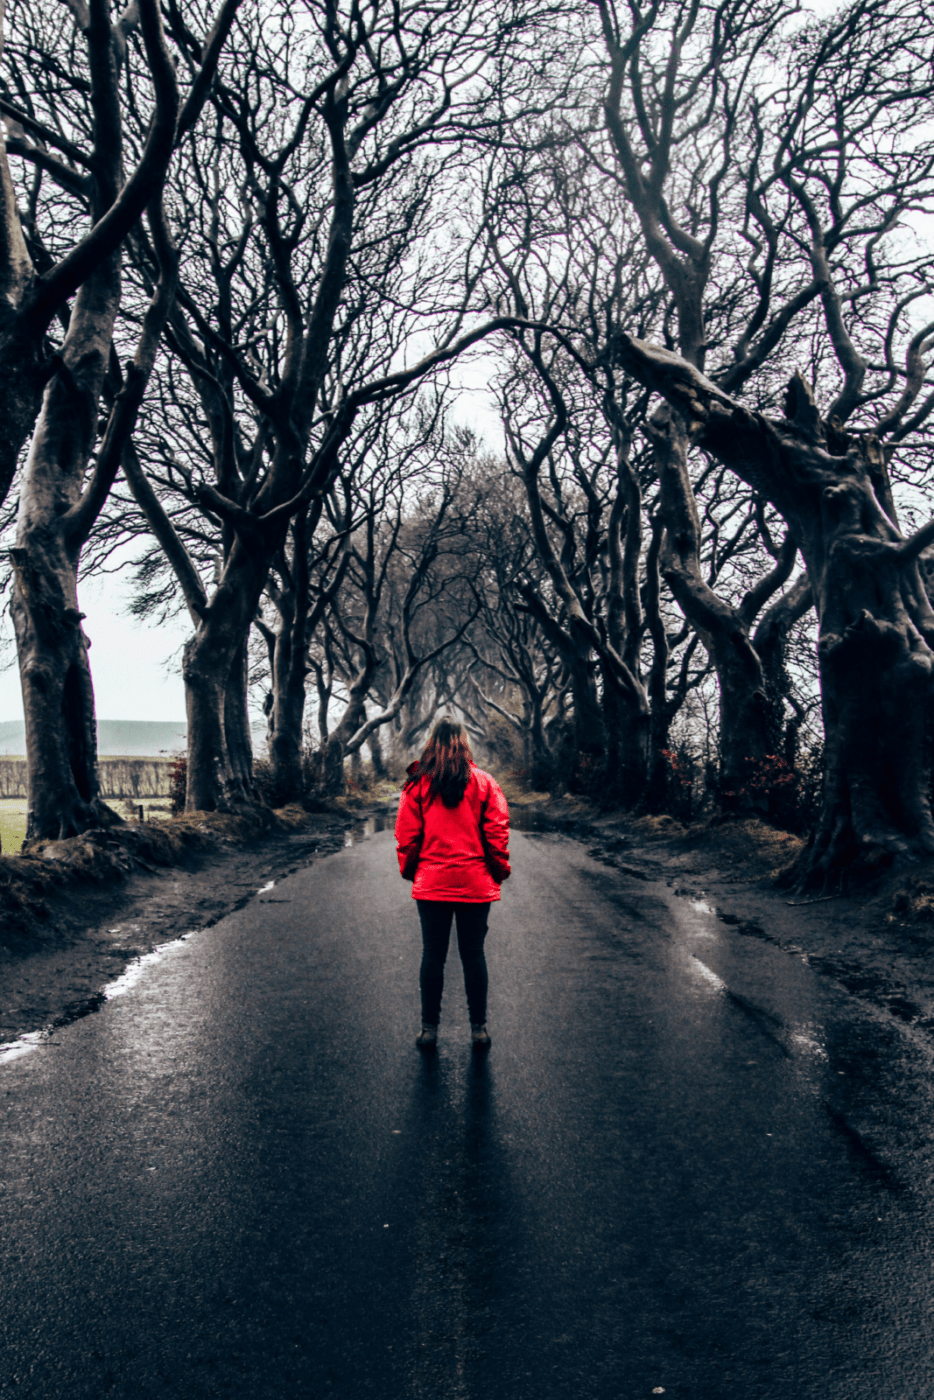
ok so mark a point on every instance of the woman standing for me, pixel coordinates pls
(452, 839)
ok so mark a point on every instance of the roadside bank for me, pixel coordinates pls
(75, 914)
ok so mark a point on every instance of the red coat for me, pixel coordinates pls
(452, 866)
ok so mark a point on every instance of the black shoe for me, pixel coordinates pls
(479, 1036)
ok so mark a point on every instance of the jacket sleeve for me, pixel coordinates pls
(496, 833)
(409, 825)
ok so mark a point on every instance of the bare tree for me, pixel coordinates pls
(303, 583)
(59, 500)
(63, 131)
(876, 620)
(306, 204)
(414, 572)
(514, 672)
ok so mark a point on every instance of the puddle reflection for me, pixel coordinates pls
(134, 972)
(22, 1045)
(708, 975)
(361, 831)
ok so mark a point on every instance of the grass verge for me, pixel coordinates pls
(31, 882)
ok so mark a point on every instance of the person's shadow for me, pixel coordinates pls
(466, 1228)
(456, 1112)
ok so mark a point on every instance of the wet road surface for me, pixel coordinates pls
(690, 1166)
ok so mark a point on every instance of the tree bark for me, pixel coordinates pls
(285, 745)
(656, 784)
(626, 707)
(575, 646)
(627, 725)
(58, 697)
(332, 767)
(350, 722)
(771, 641)
(376, 756)
(289, 667)
(218, 779)
(237, 734)
(23, 374)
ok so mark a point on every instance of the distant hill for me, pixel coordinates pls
(139, 738)
(129, 738)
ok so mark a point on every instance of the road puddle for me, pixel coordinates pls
(32, 1040)
(808, 1045)
(695, 916)
(708, 975)
(362, 831)
(137, 967)
(22, 1045)
(702, 907)
(760, 982)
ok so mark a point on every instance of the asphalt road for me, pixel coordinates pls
(689, 1166)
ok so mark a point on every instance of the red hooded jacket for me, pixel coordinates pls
(453, 866)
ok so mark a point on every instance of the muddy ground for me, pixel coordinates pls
(878, 944)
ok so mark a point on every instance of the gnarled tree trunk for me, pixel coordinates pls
(285, 744)
(350, 722)
(628, 729)
(771, 642)
(287, 712)
(237, 733)
(58, 697)
(219, 777)
(376, 756)
(575, 647)
(746, 738)
(876, 641)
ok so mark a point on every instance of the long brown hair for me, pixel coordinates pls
(445, 762)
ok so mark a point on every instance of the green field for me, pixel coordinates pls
(13, 817)
(12, 823)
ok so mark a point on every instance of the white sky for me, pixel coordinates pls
(130, 662)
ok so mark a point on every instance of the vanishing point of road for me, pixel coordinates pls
(240, 1179)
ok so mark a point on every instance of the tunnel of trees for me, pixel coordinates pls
(251, 251)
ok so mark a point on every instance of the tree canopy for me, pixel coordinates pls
(243, 248)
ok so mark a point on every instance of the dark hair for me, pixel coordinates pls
(445, 762)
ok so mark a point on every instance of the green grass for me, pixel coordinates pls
(13, 817)
(12, 823)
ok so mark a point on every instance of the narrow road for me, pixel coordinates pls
(690, 1166)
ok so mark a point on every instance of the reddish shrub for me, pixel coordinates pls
(179, 778)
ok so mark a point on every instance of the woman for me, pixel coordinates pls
(452, 837)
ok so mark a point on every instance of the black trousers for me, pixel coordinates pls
(436, 933)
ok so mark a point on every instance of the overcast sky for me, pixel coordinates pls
(129, 661)
(136, 667)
